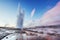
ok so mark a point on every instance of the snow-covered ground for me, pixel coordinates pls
(12, 37)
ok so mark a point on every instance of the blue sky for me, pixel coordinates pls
(8, 9)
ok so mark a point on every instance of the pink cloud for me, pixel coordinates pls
(52, 15)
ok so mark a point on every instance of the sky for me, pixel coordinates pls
(34, 9)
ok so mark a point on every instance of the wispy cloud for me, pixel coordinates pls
(32, 12)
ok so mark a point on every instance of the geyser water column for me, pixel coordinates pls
(20, 17)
